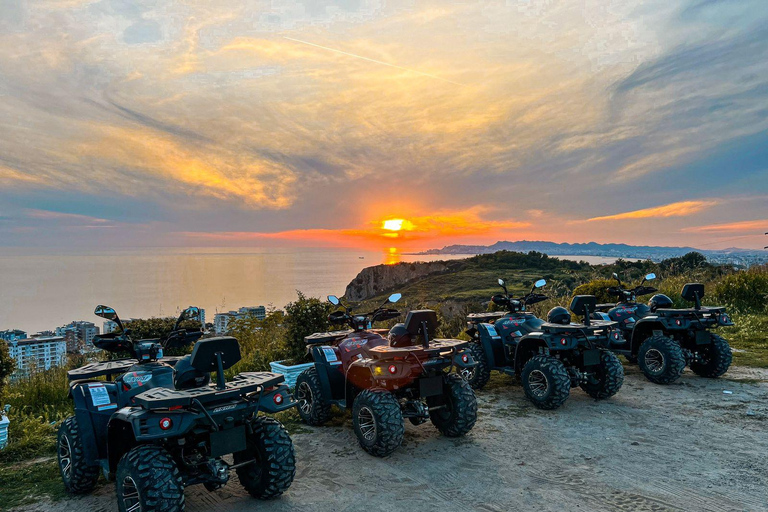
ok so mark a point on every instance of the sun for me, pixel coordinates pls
(393, 224)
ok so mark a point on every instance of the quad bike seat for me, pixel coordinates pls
(242, 384)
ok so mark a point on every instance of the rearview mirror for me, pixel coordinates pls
(501, 282)
(650, 277)
(191, 313)
(105, 312)
(616, 276)
(540, 283)
(334, 300)
(394, 297)
(110, 314)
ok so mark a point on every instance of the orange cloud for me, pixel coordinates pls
(747, 226)
(9, 176)
(413, 230)
(679, 209)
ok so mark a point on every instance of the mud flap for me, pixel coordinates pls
(228, 441)
(591, 357)
(431, 386)
(703, 338)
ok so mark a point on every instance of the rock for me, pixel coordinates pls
(372, 281)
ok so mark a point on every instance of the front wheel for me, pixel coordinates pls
(148, 480)
(457, 413)
(78, 476)
(546, 382)
(270, 448)
(378, 422)
(479, 375)
(661, 359)
(313, 408)
(714, 359)
(608, 377)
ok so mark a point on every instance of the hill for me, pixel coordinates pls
(734, 256)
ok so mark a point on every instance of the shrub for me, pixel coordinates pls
(745, 292)
(7, 364)
(261, 341)
(304, 316)
(597, 288)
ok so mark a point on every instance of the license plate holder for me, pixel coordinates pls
(591, 357)
(431, 386)
(703, 338)
(228, 441)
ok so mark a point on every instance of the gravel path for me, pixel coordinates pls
(687, 446)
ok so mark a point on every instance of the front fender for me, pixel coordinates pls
(488, 337)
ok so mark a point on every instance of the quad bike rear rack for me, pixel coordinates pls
(110, 368)
(242, 384)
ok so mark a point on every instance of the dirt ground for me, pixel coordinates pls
(687, 446)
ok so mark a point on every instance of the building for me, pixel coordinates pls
(35, 354)
(221, 320)
(13, 335)
(78, 336)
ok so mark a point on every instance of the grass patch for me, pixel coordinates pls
(749, 334)
(24, 483)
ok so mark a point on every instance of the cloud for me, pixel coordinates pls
(756, 227)
(679, 209)
(206, 115)
(415, 230)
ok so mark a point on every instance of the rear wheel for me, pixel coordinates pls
(378, 422)
(457, 413)
(661, 359)
(714, 359)
(148, 480)
(270, 448)
(608, 378)
(77, 475)
(546, 382)
(478, 376)
(313, 408)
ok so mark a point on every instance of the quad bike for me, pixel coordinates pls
(550, 357)
(384, 380)
(160, 425)
(495, 334)
(663, 341)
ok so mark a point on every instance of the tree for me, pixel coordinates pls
(7, 364)
(304, 316)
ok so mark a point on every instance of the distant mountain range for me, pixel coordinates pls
(736, 256)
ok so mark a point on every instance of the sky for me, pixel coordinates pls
(302, 123)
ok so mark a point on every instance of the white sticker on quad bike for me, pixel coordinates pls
(99, 395)
(491, 330)
(330, 354)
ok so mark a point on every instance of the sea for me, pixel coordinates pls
(40, 290)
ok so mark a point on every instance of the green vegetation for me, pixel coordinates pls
(7, 364)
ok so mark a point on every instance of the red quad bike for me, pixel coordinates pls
(406, 374)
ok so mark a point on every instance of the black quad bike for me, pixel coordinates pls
(662, 340)
(550, 357)
(387, 376)
(157, 425)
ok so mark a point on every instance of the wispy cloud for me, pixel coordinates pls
(679, 209)
(756, 227)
